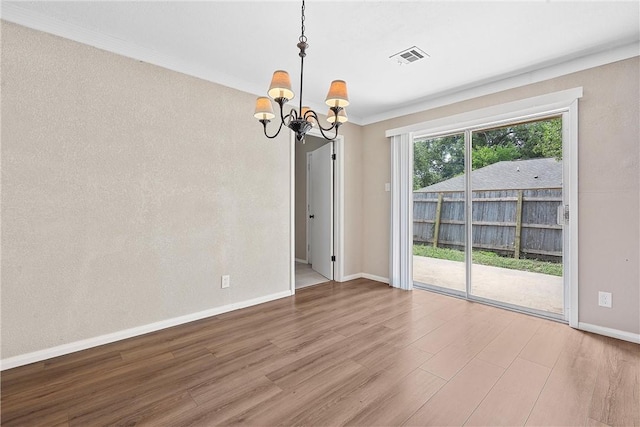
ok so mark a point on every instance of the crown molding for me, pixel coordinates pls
(503, 83)
(12, 12)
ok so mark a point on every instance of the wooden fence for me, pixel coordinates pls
(517, 223)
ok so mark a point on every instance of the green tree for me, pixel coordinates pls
(532, 140)
(485, 156)
(548, 138)
(438, 159)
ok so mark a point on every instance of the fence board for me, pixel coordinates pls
(503, 221)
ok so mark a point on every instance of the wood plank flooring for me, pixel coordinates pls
(357, 353)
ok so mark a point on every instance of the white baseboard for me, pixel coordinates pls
(304, 261)
(365, 276)
(376, 278)
(37, 356)
(613, 333)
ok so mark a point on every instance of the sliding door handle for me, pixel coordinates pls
(562, 215)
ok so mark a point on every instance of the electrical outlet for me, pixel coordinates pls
(226, 281)
(604, 299)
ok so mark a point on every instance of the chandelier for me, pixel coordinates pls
(302, 120)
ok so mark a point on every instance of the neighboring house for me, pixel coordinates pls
(506, 175)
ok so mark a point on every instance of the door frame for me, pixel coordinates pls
(338, 210)
(306, 217)
(564, 103)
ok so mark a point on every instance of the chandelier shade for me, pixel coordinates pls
(264, 110)
(342, 116)
(280, 86)
(303, 119)
(337, 96)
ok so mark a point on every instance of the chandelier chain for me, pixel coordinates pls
(302, 38)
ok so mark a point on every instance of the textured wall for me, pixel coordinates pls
(353, 200)
(127, 191)
(608, 186)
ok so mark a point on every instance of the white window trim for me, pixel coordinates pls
(496, 114)
(563, 102)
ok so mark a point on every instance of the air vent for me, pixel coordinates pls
(410, 55)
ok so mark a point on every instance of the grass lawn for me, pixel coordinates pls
(492, 259)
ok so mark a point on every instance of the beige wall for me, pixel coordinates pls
(608, 186)
(127, 191)
(353, 213)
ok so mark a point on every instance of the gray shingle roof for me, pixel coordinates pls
(507, 175)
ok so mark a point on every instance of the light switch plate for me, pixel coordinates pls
(604, 299)
(226, 281)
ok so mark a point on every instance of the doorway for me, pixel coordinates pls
(317, 211)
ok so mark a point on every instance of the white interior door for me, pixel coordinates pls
(321, 210)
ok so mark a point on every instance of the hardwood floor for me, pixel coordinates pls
(354, 353)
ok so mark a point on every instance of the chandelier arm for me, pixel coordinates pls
(330, 128)
(291, 116)
(283, 118)
(264, 125)
(315, 116)
(310, 113)
(281, 102)
(330, 138)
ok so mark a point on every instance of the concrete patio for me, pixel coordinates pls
(532, 290)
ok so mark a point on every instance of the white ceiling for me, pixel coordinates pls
(240, 43)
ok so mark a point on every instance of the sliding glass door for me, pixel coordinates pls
(439, 212)
(488, 215)
(516, 192)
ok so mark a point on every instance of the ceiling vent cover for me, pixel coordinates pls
(409, 55)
